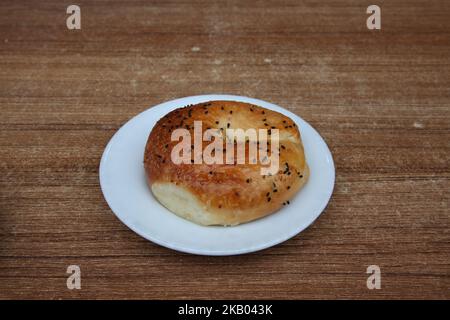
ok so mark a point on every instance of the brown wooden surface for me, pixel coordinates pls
(381, 100)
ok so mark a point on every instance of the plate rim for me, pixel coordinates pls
(209, 252)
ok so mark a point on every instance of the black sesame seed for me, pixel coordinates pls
(288, 187)
(228, 125)
(268, 199)
(231, 111)
(217, 122)
(248, 180)
(267, 194)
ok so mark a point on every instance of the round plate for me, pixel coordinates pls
(123, 182)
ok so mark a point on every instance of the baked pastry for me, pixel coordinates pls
(224, 193)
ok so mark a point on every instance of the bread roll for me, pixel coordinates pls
(224, 194)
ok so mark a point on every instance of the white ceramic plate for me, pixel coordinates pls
(124, 186)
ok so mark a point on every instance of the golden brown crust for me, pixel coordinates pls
(229, 193)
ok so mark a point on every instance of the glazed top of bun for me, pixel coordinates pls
(229, 190)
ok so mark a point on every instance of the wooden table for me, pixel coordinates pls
(380, 98)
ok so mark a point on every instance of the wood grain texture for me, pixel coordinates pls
(380, 99)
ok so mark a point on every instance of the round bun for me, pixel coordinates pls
(224, 194)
